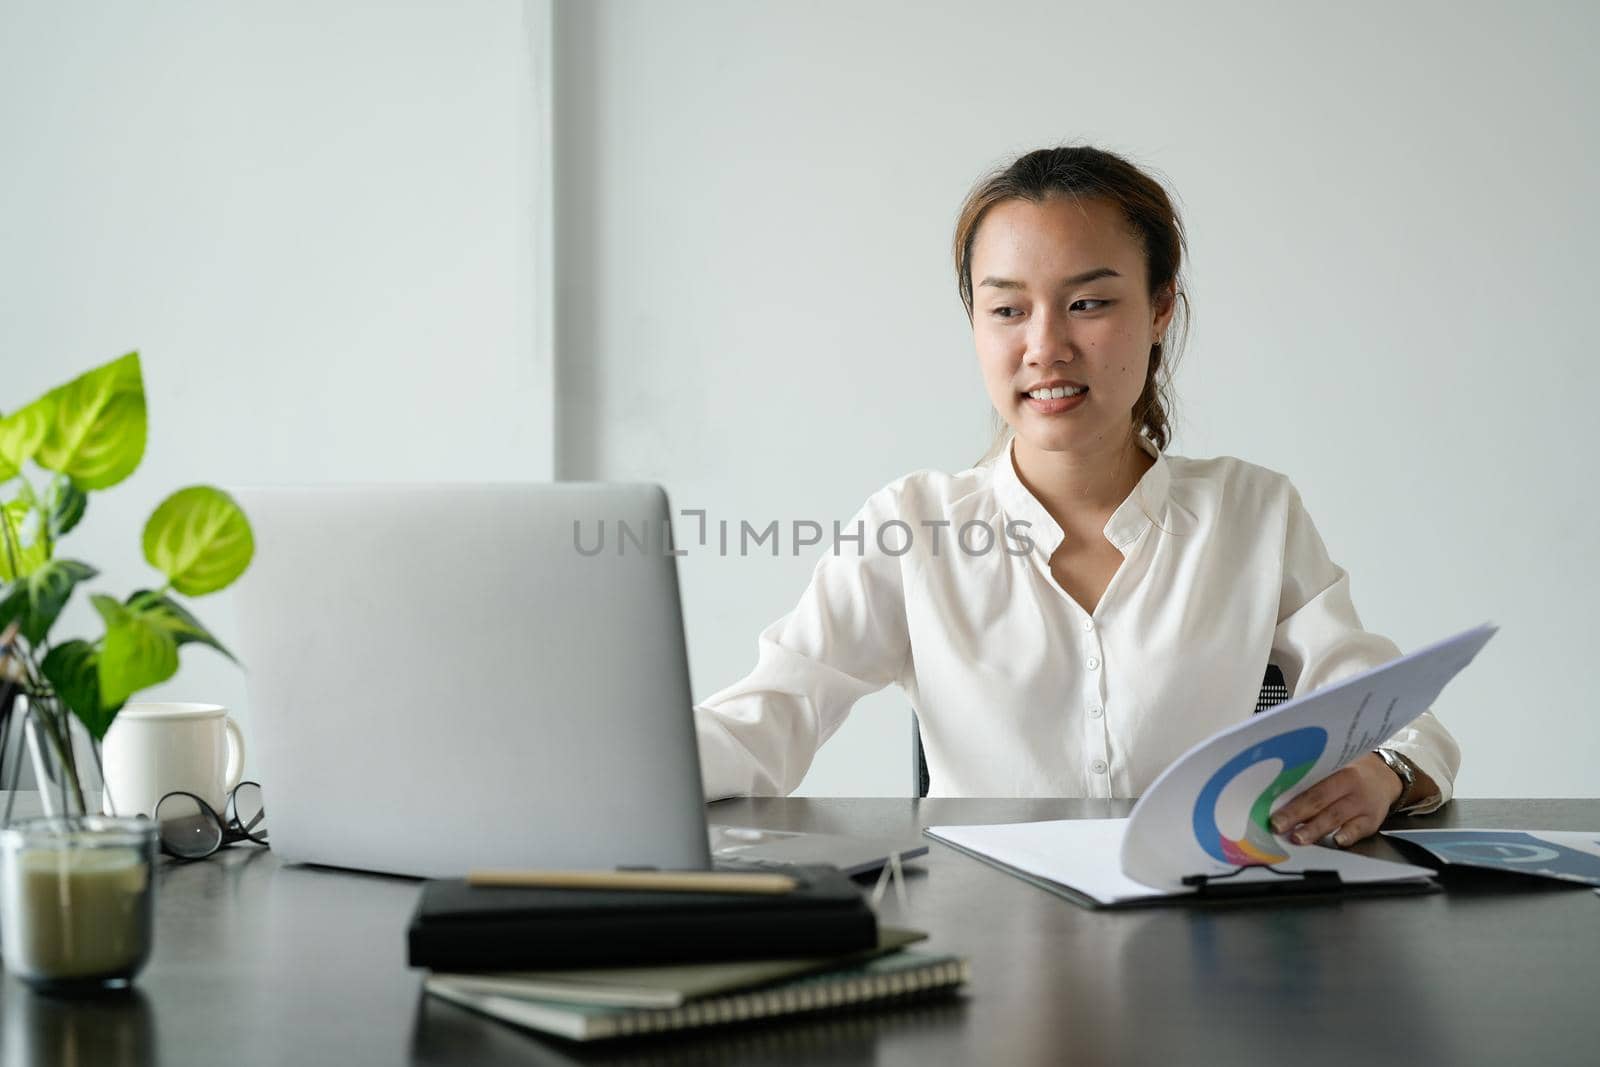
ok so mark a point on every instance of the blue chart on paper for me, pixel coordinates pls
(1508, 850)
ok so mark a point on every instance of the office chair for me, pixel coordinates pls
(1274, 691)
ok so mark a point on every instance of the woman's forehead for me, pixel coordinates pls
(1062, 233)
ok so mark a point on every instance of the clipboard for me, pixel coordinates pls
(1219, 891)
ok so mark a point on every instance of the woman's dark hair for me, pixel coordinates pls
(1081, 172)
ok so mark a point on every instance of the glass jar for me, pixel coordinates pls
(77, 901)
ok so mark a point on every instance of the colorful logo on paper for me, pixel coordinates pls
(1299, 750)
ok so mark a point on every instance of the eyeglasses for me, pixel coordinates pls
(191, 829)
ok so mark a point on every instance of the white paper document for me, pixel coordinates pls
(1209, 812)
(1083, 854)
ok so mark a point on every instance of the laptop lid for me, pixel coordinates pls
(447, 677)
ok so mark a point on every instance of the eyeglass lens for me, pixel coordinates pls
(248, 812)
(188, 827)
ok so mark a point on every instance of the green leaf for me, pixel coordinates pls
(65, 504)
(97, 434)
(37, 600)
(111, 611)
(21, 433)
(200, 539)
(173, 619)
(135, 654)
(22, 545)
(73, 668)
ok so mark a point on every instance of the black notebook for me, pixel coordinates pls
(458, 927)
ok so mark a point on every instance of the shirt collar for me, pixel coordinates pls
(1125, 524)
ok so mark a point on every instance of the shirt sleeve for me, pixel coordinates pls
(1319, 640)
(846, 638)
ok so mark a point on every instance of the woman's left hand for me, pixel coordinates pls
(1351, 803)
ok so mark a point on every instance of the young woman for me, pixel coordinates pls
(1074, 612)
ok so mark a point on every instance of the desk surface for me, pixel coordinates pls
(257, 963)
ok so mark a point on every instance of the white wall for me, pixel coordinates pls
(1392, 220)
(316, 222)
(319, 222)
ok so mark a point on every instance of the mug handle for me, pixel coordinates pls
(235, 769)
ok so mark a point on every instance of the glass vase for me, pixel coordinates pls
(62, 757)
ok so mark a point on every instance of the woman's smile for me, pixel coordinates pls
(1056, 405)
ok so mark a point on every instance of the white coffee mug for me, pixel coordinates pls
(155, 749)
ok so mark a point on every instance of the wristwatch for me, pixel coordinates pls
(1408, 779)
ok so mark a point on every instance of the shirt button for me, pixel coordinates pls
(1096, 711)
(1088, 624)
(1093, 663)
(1098, 766)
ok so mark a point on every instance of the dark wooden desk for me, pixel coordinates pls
(256, 963)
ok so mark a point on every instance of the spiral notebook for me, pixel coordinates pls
(903, 975)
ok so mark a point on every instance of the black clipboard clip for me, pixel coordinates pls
(1293, 883)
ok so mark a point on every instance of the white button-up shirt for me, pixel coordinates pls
(1020, 692)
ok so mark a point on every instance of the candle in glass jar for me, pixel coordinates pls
(77, 912)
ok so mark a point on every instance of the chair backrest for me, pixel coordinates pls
(1274, 691)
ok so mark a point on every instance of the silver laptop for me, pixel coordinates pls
(448, 677)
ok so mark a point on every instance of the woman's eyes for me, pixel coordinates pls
(1102, 303)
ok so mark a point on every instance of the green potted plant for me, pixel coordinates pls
(76, 887)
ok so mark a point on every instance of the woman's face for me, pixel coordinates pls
(1059, 297)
